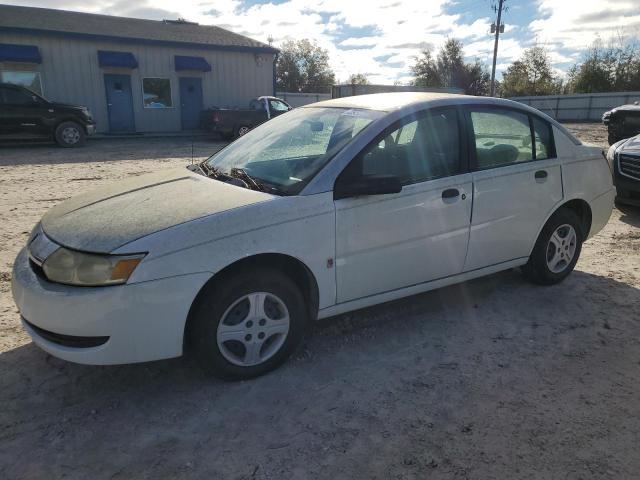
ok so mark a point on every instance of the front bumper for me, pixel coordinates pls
(143, 321)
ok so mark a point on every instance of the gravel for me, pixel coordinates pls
(493, 378)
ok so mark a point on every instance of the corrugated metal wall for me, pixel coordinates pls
(70, 73)
(586, 107)
(299, 99)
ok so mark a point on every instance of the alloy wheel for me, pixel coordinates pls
(561, 248)
(70, 135)
(253, 329)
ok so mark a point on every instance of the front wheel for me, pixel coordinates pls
(248, 324)
(557, 249)
(70, 134)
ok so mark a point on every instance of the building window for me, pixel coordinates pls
(31, 80)
(156, 92)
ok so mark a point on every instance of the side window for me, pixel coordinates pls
(545, 148)
(278, 106)
(421, 149)
(17, 97)
(256, 105)
(502, 137)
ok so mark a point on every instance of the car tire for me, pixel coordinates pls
(232, 339)
(557, 249)
(70, 134)
(242, 130)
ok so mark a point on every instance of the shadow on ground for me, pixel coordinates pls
(630, 214)
(492, 377)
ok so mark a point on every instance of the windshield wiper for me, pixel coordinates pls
(253, 183)
(209, 171)
(242, 174)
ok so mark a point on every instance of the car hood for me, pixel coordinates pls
(631, 146)
(67, 105)
(107, 218)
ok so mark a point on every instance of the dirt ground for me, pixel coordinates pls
(490, 379)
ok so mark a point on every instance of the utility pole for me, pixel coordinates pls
(499, 28)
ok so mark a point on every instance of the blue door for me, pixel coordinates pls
(190, 102)
(119, 103)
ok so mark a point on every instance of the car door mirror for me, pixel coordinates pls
(367, 185)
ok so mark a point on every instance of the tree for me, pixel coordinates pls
(303, 66)
(449, 69)
(530, 75)
(611, 68)
(358, 79)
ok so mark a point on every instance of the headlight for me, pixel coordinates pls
(88, 269)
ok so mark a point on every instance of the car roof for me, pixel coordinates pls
(387, 102)
(413, 101)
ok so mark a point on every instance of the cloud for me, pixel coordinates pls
(567, 31)
(379, 37)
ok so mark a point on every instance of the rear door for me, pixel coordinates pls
(517, 182)
(388, 242)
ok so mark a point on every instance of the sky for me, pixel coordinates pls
(381, 38)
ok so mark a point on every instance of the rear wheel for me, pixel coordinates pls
(242, 130)
(70, 134)
(248, 324)
(557, 249)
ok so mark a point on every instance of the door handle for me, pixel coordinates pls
(450, 193)
(541, 174)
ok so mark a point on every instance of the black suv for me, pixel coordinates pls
(25, 114)
(622, 122)
(624, 158)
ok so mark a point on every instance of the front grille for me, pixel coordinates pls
(67, 340)
(630, 166)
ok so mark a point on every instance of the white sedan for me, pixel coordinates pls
(329, 208)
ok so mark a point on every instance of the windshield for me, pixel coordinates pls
(288, 151)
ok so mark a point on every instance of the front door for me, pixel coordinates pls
(190, 102)
(387, 242)
(22, 114)
(517, 183)
(119, 103)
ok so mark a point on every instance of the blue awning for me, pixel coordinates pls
(117, 59)
(191, 63)
(19, 53)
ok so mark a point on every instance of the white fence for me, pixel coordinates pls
(585, 107)
(300, 99)
(350, 90)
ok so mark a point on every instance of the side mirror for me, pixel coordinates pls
(367, 185)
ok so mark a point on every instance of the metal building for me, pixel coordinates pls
(135, 75)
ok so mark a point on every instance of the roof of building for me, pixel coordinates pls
(106, 27)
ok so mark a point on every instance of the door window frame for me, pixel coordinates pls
(471, 140)
(463, 147)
